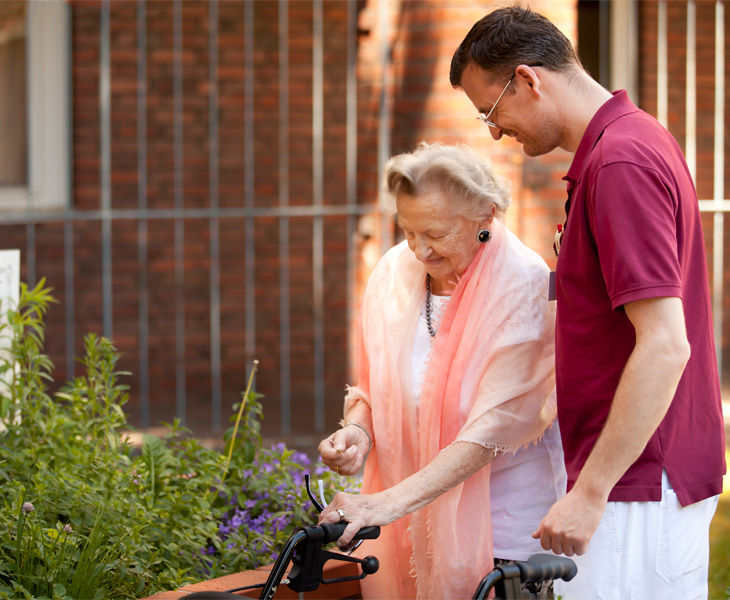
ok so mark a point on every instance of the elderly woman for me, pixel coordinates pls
(455, 375)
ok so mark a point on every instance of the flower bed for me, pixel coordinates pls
(84, 514)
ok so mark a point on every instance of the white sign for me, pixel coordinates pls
(9, 298)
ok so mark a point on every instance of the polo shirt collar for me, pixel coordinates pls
(612, 109)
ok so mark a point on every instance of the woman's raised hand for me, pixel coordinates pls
(345, 450)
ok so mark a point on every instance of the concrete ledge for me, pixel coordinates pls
(332, 570)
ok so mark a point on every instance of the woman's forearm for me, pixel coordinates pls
(452, 466)
(359, 412)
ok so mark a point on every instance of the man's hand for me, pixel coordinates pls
(570, 524)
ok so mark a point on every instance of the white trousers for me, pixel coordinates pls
(646, 551)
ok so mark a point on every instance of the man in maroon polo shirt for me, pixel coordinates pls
(638, 389)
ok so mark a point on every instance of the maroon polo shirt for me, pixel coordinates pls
(633, 231)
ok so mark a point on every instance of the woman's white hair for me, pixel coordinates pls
(458, 171)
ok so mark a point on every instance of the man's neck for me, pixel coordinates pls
(581, 98)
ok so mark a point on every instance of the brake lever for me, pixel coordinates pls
(317, 505)
(354, 544)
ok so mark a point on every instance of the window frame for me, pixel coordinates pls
(48, 52)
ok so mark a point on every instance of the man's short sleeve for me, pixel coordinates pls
(632, 215)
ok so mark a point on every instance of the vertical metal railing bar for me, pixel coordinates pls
(30, 251)
(317, 200)
(143, 317)
(351, 178)
(105, 182)
(179, 223)
(718, 251)
(691, 93)
(249, 183)
(604, 53)
(30, 248)
(284, 271)
(214, 228)
(68, 272)
(662, 64)
(385, 112)
(68, 230)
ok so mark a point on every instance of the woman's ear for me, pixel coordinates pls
(487, 221)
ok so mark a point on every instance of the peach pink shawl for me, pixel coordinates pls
(489, 381)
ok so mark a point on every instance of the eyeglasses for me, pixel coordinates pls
(485, 118)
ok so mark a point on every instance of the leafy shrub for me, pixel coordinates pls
(84, 514)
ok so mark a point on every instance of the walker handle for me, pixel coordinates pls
(540, 567)
(334, 531)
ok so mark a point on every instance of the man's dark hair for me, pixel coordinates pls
(509, 37)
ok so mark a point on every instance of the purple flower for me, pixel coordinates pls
(28, 507)
(258, 524)
(301, 458)
(67, 528)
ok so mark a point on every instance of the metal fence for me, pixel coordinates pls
(107, 216)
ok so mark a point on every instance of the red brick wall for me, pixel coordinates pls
(195, 190)
(424, 35)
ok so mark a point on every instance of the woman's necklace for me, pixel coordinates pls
(428, 306)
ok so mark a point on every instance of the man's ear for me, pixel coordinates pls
(528, 75)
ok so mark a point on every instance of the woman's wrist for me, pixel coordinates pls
(363, 429)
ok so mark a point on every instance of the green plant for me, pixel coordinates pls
(83, 514)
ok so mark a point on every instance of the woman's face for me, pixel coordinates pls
(442, 239)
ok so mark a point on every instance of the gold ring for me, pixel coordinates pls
(342, 515)
(337, 470)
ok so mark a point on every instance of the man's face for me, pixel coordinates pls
(519, 113)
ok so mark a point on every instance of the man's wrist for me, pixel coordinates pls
(592, 490)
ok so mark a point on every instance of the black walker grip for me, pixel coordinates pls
(334, 531)
(540, 567)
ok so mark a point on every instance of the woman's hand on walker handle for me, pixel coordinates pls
(360, 510)
(344, 450)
